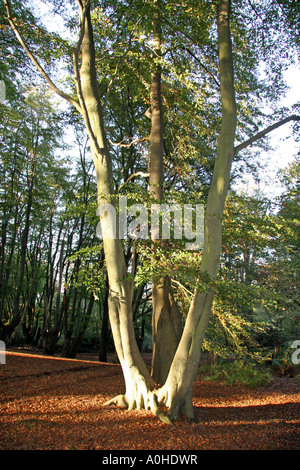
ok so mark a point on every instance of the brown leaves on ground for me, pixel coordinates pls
(54, 403)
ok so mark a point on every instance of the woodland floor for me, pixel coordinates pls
(50, 403)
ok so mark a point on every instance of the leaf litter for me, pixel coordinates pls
(51, 403)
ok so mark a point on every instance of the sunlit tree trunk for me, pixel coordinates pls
(136, 374)
(177, 391)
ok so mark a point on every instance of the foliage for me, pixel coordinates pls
(256, 308)
(236, 373)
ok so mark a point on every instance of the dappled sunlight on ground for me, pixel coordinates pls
(55, 403)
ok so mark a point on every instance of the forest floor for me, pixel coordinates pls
(51, 403)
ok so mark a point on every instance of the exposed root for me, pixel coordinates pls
(148, 402)
(163, 404)
(120, 401)
(155, 409)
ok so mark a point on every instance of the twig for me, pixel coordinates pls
(131, 143)
(202, 65)
(186, 291)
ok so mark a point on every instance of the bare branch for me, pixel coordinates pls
(264, 132)
(131, 143)
(202, 65)
(144, 82)
(138, 173)
(110, 85)
(121, 60)
(187, 292)
(254, 9)
(35, 61)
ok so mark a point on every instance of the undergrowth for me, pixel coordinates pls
(237, 372)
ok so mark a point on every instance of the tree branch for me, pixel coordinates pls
(137, 141)
(264, 132)
(138, 173)
(83, 15)
(113, 78)
(202, 65)
(35, 61)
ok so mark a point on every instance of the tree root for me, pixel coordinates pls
(163, 404)
(121, 401)
(141, 395)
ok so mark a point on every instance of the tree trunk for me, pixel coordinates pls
(166, 317)
(76, 341)
(51, 329)
(177, 391)
(140, 392)
(104, 336)
(18, 317)
(136, 375)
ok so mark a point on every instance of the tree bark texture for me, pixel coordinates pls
(166, 317)
(177, 391)
(136, 374)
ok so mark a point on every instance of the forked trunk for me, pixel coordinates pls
(176, 393)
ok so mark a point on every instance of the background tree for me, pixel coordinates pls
(28, 170)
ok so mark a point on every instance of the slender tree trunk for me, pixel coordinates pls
(18, 316)
(69, 312)
(51, 323)
(104, 336)
(166, 317)
(76, 341)
(6, 253)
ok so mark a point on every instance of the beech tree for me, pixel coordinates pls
(142, 387)
(28, 169)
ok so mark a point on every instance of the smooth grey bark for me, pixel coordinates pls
(177, 391)
(136, 374)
